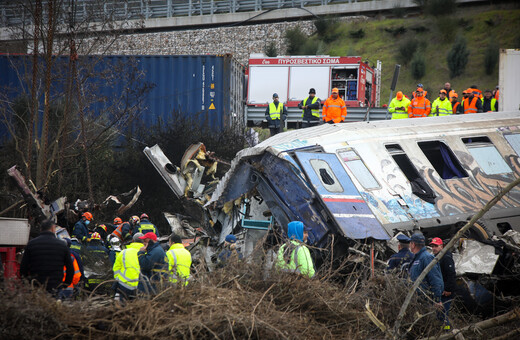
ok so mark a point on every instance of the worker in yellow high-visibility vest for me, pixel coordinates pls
(275, 114)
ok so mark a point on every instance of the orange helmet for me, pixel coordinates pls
(118, 220)
(87, 215)
(95, 236)
(144, 216)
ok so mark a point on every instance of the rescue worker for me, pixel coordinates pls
(422, 258)
(124, 230)
(145, 226)
(114, 248)
(311, 109)
(471, 103)
(95, 247)
(420, 106)
(102, 230)
(489, 103)
(334, 108)
(456, 108)
(45, 257)
(68, 292)
(77, 256)
(476, 91)
(75, 245)
(275, 114)
(80, 230)
(447, 266)
(399, 106)
(179, 261)
(448, 88)
(496, 93)
(414, 93)
(230, 251)
(442, 105)
(294, 256)
(403, 256)
(152, 259)
(127, 270)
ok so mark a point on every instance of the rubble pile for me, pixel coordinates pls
(239, 301)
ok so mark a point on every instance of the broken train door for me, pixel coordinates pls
(337, 192)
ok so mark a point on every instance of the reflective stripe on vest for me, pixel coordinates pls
(315, 113)
(123, 279)
(492, 105)
(146, 226)
(119, 232)
(274, 112)
(472, 107)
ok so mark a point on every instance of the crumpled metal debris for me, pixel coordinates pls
(475, 257)
(123, 201)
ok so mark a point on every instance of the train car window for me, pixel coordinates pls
(358, 168)
(419, 186)
(486, 155)
(514, 141)
(442, 159)
(326, 175)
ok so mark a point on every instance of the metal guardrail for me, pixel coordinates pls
(294, 115)
(11, 13)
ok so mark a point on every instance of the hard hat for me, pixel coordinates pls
(335, 90)
(118, 220)
(453, 95)
(275, 95)
(144, 216)
(95, 236)
(102, 226)
(442, 91)
(420, 85)
(419, 89)
(469, 90)
(134, 219)
(399, 95)
(87, 215)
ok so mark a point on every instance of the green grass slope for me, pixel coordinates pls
(480, 26)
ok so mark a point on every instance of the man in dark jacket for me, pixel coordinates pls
(275, 114)
(152, 259)
(311, 109)
(404, 256)
(448, 275)
(81, 231)
(45, 257)
(422, 258)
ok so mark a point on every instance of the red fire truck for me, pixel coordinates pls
(292, 77)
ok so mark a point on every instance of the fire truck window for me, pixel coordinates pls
(486, 155)
(443, 160)
(326, 175)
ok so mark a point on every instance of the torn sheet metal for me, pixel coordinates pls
(169, 172)
(475, 257)
(124, 201)
(179, 226)
(393, 242)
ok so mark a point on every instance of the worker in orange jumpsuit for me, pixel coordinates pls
(420, 106)
(334, 108)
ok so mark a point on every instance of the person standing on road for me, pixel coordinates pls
(275, 114)
(399, 106)
(442, 105)
(311, 109)
(433, 281)
(45, 257)
(420, 106)
(448, 275)
(334, 108)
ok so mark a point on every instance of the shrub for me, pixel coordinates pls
(270, 49)
(397, 31)
(447, 28)
(419, 29)
(418, 65)
(324, 25)
(310, 47)
(466, 24)
(458, 57)
(407, 49)
(359, 34)
(439, 8)
(491, 58)
(295, 39)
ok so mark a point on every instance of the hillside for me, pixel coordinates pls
(383, 37)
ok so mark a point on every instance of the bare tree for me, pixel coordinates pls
(60, 116)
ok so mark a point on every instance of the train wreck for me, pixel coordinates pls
(356, 186)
